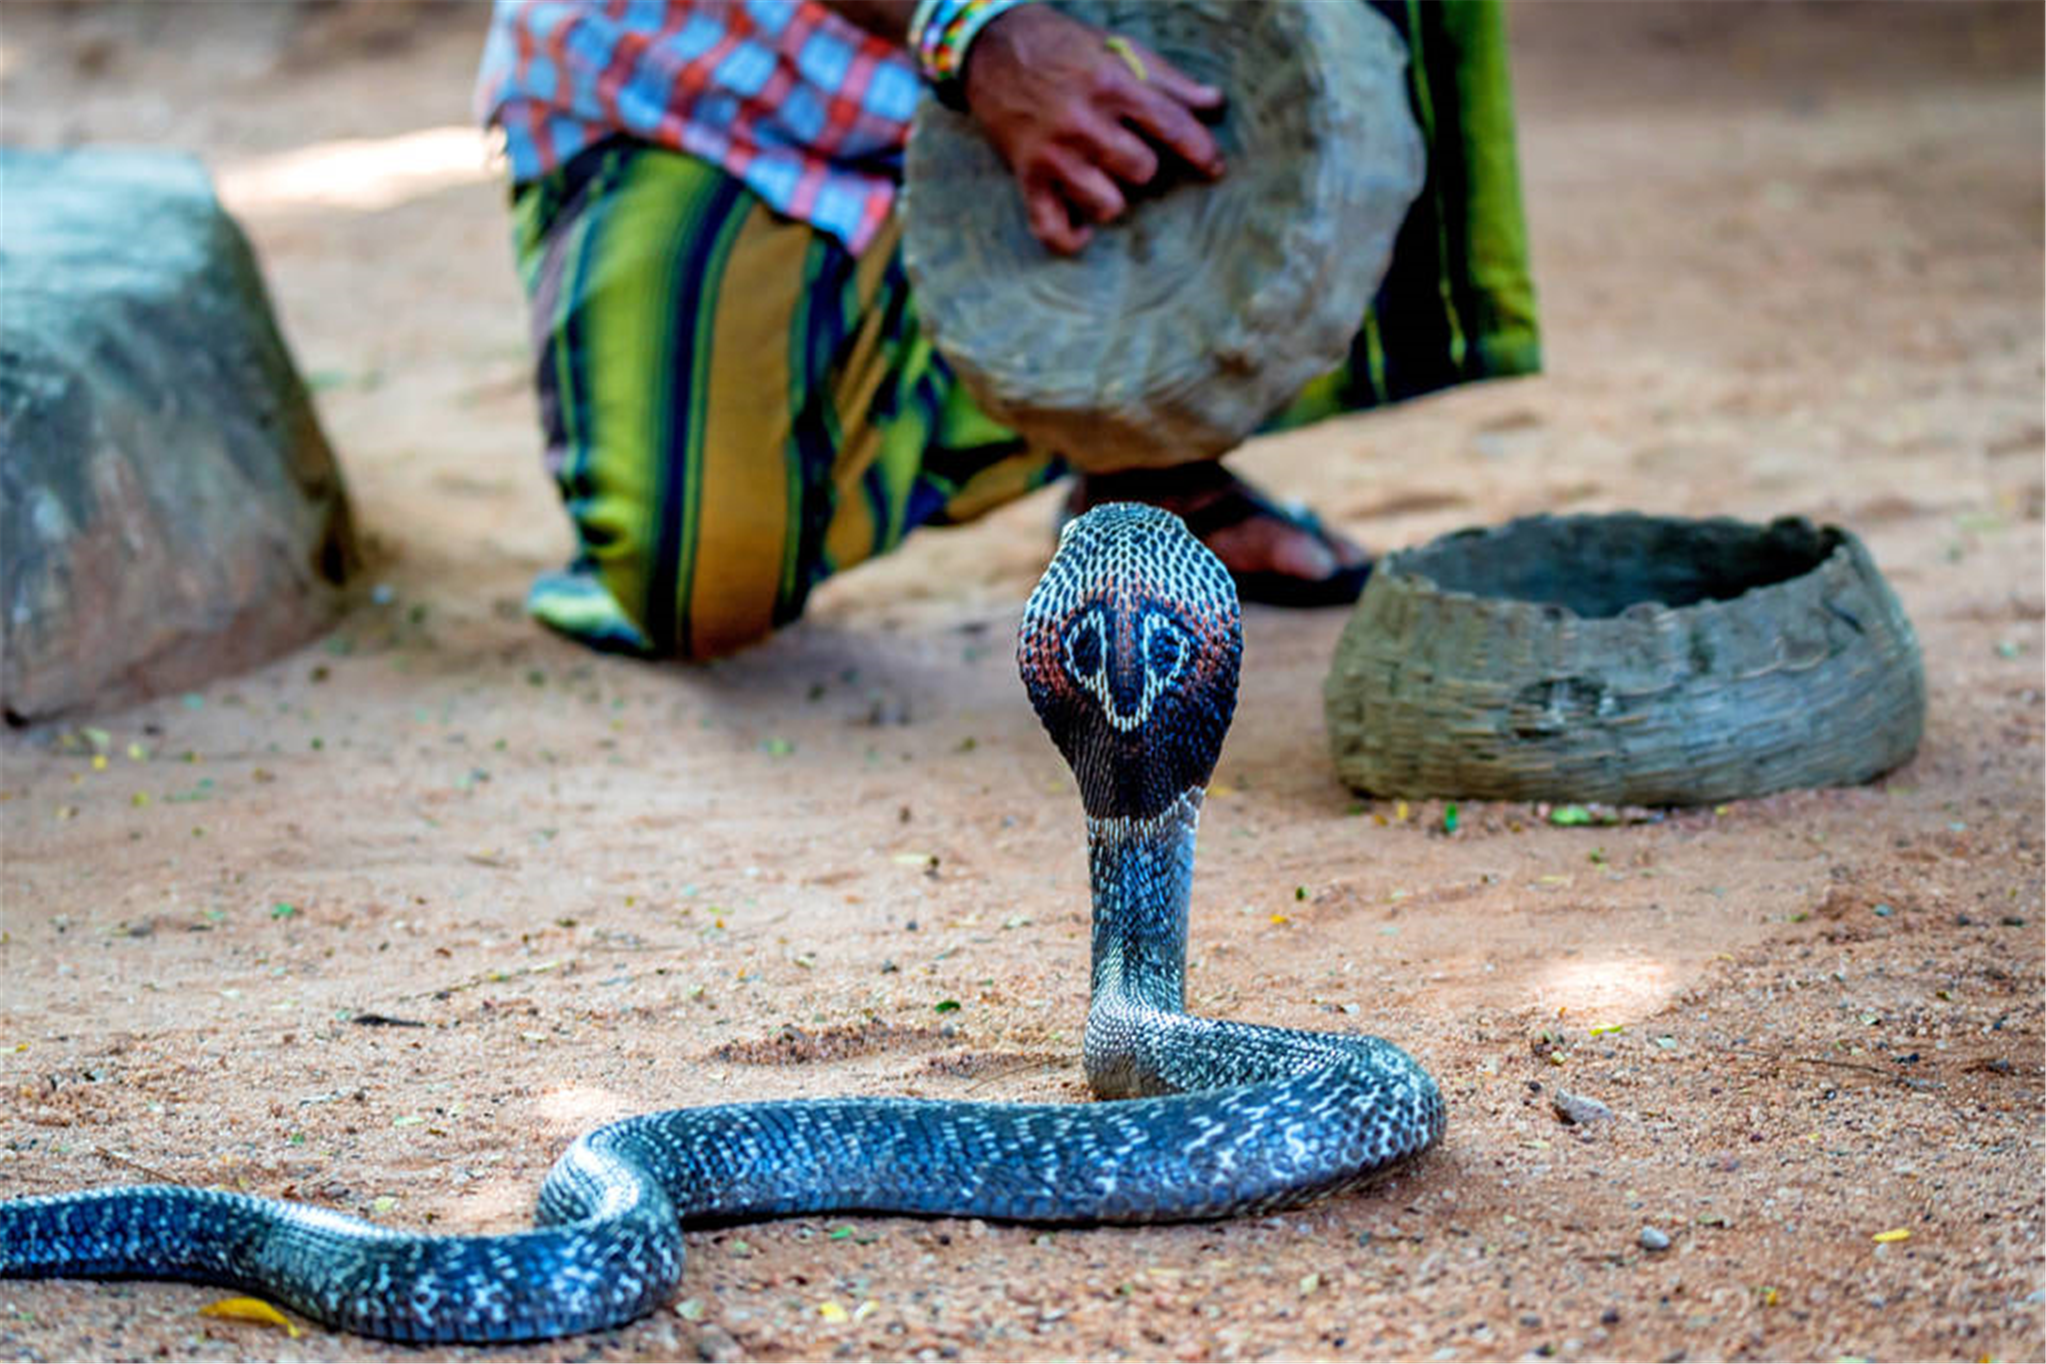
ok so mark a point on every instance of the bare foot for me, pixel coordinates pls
(1277, 555)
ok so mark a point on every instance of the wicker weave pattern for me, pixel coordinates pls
(1625, 658)
(1182, 327)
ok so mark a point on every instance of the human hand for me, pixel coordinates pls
(1075, 122)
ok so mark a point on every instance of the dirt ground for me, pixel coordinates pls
(1790, 262)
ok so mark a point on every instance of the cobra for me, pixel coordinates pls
(1129, 649)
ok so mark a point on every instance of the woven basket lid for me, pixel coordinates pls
(1186, 324)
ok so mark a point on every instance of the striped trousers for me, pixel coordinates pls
(735, 407)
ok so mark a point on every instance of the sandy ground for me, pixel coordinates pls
(1790, 262)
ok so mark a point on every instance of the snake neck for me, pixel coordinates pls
(1142, 872)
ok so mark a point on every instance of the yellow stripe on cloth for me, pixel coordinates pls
(745, 501)
(735, 406)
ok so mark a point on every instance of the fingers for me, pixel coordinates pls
(1175, 83)
(1069, 178)
(1088, 187)
(1160, 99)
(1084, 119)
(1051, 223)
(1122, 153)
(1086, 177)
(1172, 124)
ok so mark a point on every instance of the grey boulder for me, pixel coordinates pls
(169, 509)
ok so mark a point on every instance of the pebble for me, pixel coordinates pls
(714, 1345)
(1654, 1239)
(1577, 1110)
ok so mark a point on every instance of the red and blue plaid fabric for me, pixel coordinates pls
(808, 109)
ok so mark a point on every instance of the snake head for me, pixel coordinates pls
(1129, 649)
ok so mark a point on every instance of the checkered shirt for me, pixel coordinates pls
(805, 107)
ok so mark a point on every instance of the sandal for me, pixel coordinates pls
(1219, 500)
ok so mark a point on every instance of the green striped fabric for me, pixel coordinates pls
(1457, 304)
(735, 407)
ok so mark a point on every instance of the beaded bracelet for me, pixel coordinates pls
(942, 31)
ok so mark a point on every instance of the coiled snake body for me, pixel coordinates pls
(1129, 649)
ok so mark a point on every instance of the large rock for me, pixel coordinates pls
(169, 510)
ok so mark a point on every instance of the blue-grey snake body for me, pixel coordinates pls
(1129, 649)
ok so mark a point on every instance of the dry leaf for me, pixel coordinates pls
(250, 1309)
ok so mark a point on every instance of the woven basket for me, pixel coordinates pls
(1205, 309)
(1626, 658)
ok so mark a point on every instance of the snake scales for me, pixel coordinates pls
(1129, 649)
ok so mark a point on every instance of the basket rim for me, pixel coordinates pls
(1393, 570)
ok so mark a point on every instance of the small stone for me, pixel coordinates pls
(1577, 1110)
(1609, 1317)
(1654, 1239)
(714, 1345)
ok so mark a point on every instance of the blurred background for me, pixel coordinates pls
(1721, 195)
(1726, 186)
